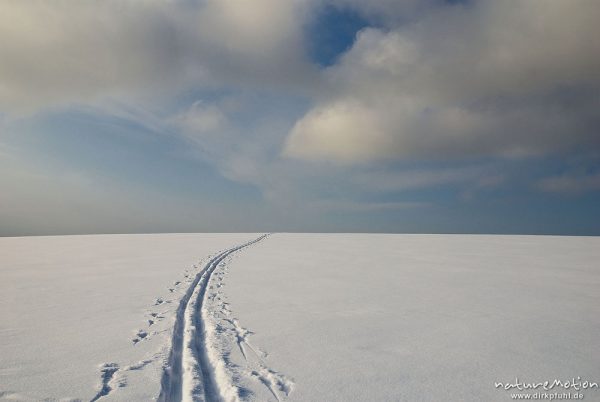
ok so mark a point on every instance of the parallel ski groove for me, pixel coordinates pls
(196, 381)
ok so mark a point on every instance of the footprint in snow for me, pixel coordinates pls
(141, 335)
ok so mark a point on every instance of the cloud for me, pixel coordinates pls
(410, 179)
(46, 198)
(570, 184)
(59, 52)
(434, 100)
(485, 79)
(337, 206)
(345, 129)
(201, 119)
(217, 133)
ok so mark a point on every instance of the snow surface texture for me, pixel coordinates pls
(92, 317)
(296, 317)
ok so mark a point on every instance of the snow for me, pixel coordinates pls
(298, 317)
(421, 317)
(70, 304)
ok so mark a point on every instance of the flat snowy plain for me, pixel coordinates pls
(297, 317)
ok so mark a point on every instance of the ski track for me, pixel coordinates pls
(194, 372)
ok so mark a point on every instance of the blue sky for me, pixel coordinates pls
(321, 115)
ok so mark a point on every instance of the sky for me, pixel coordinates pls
(402, 116)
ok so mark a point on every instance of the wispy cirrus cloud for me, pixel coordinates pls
(570, 184)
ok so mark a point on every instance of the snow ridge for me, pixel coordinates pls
(192, 372)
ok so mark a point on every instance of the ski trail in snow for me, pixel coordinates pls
(224, 332)
(190, 373)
